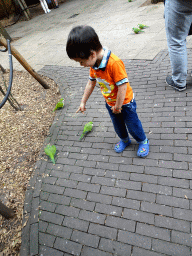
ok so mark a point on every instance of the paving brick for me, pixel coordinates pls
(139, 216)
(145, 162)
(34, 239)
(53, 189)
(184, 193)
(120, 223)
(182, 214)
(92, 217)
(82, 204)
(98, 158)
(182, 174)
(76, 223)
(156, 208)
(99, 198)
(181, 238)
(103, 181)
(51, 217)
(138, 252)
(88, 251)
(59, 231)
(50, 180)
(59, 174)
(140, 195)
(43, 196)
(159, 189)
(134, 239)
(75, 193)
(170, 248)
(113, 191)
(172, 201)
(94, 171)
(117, 175)
(155, 232)
(143, 178)
(172, 223)
(108, 209)
(85, 163)
(46, 239)
(67, 210)
(47, 206)
(131, 168)
(119, 249)
(80, 177)
(85, 239)
(128, 184)
(180, 183)
(72, 169)
(66, 183)
(59, 199)
(68, 246)
(107, 166)
(173, 164)
(102, 231)
(42, 226)
(127, 203)
(47, 251)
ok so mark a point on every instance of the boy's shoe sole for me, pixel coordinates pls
(169, 81)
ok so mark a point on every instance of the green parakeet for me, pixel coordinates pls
(50, 151)
(136, 30)
(142, 26)
(59, 105)
(87, 128)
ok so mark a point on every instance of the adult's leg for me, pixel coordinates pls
(178, 18)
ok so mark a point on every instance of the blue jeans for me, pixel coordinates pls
(178, 19)
(127, 119)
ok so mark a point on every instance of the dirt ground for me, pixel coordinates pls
(22, 137)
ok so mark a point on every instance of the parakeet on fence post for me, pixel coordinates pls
(87, 128)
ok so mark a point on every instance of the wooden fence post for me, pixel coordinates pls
(24, 63)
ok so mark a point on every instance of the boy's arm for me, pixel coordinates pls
(88, 90)
(120, 98)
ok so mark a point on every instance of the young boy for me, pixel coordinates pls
(108, 70)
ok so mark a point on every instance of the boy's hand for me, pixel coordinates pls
(81, 108)
(116, 110)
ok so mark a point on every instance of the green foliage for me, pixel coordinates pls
(59, 105)
(87, 128)
(50, 151)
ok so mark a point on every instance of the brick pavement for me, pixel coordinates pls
(94, 202)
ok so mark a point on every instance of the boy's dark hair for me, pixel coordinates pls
(81, 41)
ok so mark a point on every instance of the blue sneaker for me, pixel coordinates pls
(143, 149)
(121, 145)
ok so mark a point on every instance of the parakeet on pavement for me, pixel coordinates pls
(87, 128)
(142, 26)
(136, 30)
(59, 105)
(50, 151)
